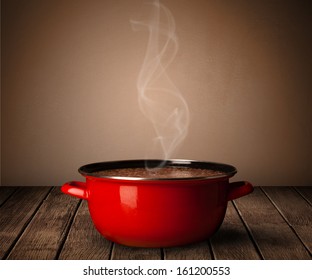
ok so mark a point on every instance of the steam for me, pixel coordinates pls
(159, 99)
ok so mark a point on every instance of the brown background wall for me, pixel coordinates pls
(69, 97)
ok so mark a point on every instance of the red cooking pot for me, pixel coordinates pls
(159, 211)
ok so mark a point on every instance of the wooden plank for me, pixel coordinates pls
(121, 252)
(232, 241)
(47, 230)
(84, 242)
(196, 251)
(295, 210)
(16, 213)
(273, 236)
(306, 192)
(5, 193)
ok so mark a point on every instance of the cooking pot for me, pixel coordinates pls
(157, 212)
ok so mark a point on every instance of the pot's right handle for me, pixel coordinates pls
(76, 189)
(239, 189)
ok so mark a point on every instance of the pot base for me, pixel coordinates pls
(182, 240)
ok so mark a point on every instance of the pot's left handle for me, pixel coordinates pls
(76, 189)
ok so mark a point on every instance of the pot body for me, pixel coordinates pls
(157, 213)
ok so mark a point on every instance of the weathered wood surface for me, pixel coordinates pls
(43, 223)
(16, 213)
(83, 241)
(233, 232)
(47, 230)
(272, 235)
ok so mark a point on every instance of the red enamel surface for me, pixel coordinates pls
(157, 213)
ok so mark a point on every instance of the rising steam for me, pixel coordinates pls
(159, 99)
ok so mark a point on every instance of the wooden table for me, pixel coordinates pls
(43, 223)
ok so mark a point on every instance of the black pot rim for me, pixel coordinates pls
(89, 170)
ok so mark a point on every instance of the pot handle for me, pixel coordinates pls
(239, 189)
(76, 189)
